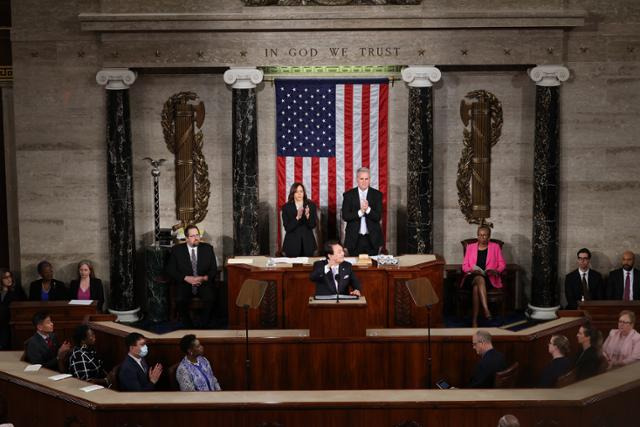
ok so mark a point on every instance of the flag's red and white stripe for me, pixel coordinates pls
(361, 140)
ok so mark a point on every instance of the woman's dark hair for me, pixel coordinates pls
(80, 334)
(186, 342)
(595, 337)
(293, 189)
(42, 265)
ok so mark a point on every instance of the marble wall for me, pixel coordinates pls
(61, 152)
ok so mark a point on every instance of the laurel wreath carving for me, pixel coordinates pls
(463, 181)
(201, 169)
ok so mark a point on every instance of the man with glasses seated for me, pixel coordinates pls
(583, 283)
(193, 267)
(622, 346)
(491, 362)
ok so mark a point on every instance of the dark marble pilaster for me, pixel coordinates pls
(420, 79)
(544, 254)
(120, 201)
(155, 260)
(243, 80)
(420, 172)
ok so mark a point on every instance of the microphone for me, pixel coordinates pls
(336, 277)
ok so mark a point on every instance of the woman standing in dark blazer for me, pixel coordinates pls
(299, 220)
(87, 286)
(47, 288)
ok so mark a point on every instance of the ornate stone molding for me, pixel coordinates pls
(549, 75)
(421, 75)
(243, 77)
(116, 78)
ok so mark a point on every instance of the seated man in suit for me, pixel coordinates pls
(583, 283)
(362, 211)
(193, 267)
(624, 283)
(42, 348)
(491, 362)
(134, 373)
(334, 275)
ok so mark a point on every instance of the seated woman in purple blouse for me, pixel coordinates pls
(194, 371)
(87, 286)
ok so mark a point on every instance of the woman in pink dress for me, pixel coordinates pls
(622, 346)
(87, 286)
(483, 263)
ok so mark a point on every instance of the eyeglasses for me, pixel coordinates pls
(626, 322)
(583, 258)
(193, 235)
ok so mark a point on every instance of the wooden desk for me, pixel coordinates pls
(330, 319)
(65, 318)
(285, 302)
(604, 314)
(31, 399)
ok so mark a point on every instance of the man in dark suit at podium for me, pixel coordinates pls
(584, 282)
(624, 283)
(193, 267)
(362, 210)
(334, 275)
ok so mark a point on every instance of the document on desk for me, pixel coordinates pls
(80, 302)
(240, 261)
(90, 388)
(59, 377)
(287, 260)
(33, 368)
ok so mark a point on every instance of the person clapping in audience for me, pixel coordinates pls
(87, 286)
(588, 360)
(622, 346)
(194, 372)
(558, 349)
(84, 363)
(47, 288)
(43, 348)
(135, 374)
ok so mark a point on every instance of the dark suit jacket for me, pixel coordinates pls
(325, 284)
(587, 363)
(350, 208)
(132, 378)
(485, 374)
(96, 290)
(554, 370)
(573, 287)
(299, 239)
(57, 292)
(37, 351)
(179, 264)
(615, 284)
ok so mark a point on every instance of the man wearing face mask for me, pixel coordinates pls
(135, 374)
(624, 283)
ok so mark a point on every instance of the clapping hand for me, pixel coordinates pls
(155, 372)
(364, 205)
(306, 212)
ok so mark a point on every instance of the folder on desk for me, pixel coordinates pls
(334, 297)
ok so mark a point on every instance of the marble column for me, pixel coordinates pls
(243, 82)
(120, 189)
(420, 158)
(544, 253)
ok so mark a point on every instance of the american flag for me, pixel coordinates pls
(326, 130)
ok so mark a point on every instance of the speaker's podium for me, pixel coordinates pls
(330, 318)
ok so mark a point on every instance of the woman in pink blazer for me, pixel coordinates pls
(483, 262)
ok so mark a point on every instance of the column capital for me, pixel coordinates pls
(421, 75)
(243, 77)
(549, 75)
(116, 78)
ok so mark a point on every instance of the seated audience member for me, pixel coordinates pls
(484, 262)
(588, 361)
(583, 283)
(508, 421)
(558, 349)
(334, 275)
(9, 292)
(491, 362)
(87, 286)
(299, 218)
(624, 283)
(194, 372)
(84, 364)
(42, 348)
(47, 288)
(134, 373)
(622, 346)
